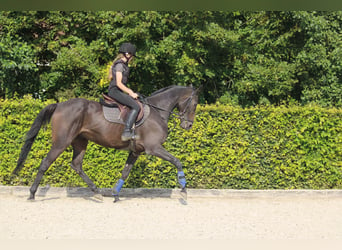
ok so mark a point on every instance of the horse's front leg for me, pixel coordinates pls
(132, 158)
(165, 155)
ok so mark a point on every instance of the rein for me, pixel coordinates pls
(179, 115)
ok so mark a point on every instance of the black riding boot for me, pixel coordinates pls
(128, 134)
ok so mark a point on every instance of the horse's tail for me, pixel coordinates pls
(43, 118)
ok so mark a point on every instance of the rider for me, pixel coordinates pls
(118, 75)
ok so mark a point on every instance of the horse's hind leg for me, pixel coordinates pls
(44, 166)
(80, 145)
(132, 158)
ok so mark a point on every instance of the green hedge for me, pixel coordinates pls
(228, 147)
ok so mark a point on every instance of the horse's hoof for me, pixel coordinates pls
(116, 199)
(98, 197)
(31, 198)
(184, 194)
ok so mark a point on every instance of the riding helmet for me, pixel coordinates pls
(127, 48)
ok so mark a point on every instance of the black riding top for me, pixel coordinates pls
(122, 67)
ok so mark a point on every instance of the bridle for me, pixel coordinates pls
(178, 115)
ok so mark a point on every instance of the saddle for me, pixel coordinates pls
(113, 105)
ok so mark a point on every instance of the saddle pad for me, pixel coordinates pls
(113, 115)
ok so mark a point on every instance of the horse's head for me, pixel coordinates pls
(187, 107)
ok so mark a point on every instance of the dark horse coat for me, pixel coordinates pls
(77, 121)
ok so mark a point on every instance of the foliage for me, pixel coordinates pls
(240, 58)
(18, 74)
(291, 58)
(228, 147)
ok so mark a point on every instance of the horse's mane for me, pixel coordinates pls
(164, 89)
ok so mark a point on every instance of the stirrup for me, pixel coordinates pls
(127, 135)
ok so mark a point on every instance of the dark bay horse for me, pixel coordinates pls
(77, 121)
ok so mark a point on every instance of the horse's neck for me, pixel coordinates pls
(165, 101)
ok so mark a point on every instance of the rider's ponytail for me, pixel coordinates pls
(110, 73)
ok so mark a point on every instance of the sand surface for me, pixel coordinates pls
(56, 216)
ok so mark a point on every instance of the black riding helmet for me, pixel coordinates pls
(127, 48)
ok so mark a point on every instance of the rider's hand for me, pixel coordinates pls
(134, 95)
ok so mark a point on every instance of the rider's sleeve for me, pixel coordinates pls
(118, 67)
